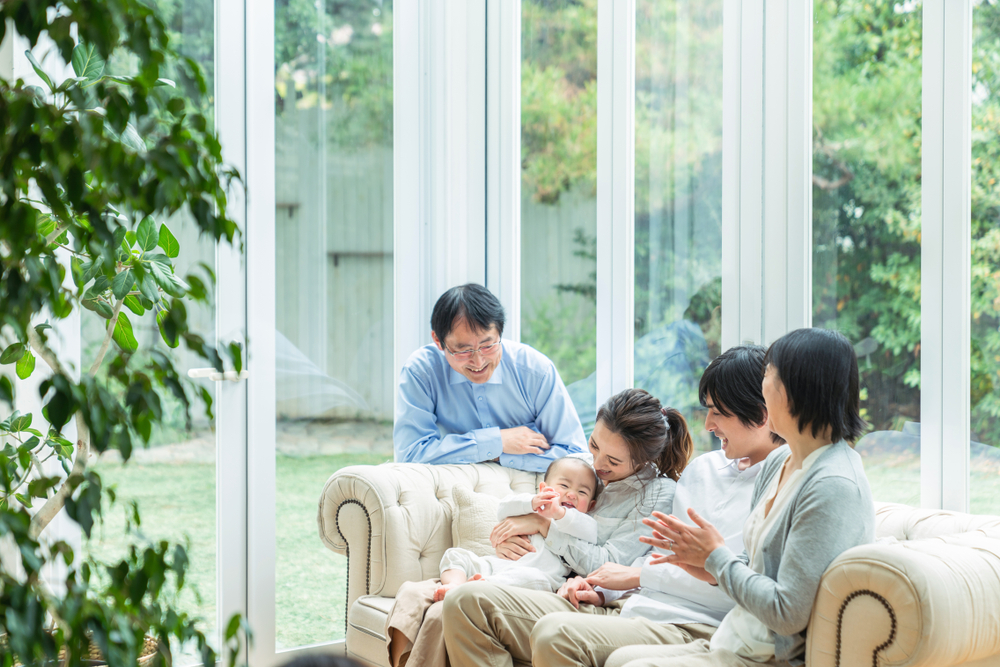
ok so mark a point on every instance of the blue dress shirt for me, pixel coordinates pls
(443, 417)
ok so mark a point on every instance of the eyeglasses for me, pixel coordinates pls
(485, 350)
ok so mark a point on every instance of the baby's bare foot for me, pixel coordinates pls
(477, 577)
(442, 591)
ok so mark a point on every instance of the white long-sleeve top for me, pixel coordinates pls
(721, 493)
(619, 513)
(574, 525)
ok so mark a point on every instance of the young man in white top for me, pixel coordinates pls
(662, 604)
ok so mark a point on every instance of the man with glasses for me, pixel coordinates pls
(473, 397)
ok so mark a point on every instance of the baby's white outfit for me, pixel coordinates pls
(539, 570)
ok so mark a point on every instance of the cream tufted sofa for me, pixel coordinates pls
(932, 599)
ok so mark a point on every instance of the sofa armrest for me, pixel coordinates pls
(393, 521)
(932, 602)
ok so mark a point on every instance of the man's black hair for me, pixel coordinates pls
(819, 371)
(598, 485)
(476, 304)
(732, 382)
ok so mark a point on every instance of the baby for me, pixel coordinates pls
(568, 491)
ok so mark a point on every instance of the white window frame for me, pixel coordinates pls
(439, 156)
(457, 203)
(946, 255)
(231, 524)
(615, 196)
(503, 159)
(767, 170)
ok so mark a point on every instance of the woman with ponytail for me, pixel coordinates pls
(639, 449)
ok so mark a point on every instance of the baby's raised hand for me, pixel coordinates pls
(546, 504)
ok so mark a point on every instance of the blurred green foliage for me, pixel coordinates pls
(337, 56)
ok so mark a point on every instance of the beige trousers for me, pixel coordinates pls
(695, 654)
(418, 617)
(488, 624)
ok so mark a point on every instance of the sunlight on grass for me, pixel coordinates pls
(177, 503)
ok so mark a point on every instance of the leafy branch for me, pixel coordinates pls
(90, 163)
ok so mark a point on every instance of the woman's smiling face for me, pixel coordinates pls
(612, 460)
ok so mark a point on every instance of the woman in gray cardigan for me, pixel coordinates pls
(811, 503)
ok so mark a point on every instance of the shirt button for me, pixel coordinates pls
(480, 398)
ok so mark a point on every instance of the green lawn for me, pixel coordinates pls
(896, 479)
(177, 502)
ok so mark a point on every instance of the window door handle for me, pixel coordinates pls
(216, 376)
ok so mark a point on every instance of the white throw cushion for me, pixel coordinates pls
(474, 519)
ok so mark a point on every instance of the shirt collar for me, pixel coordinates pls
(733, 466)
(454, 377)
(639, 479)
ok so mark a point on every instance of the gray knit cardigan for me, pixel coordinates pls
(831, 512)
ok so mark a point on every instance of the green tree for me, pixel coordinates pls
(866, 193)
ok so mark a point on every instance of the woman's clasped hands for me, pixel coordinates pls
(690, 545)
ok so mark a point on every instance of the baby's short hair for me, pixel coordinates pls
(598, 487)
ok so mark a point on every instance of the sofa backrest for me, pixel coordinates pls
(416, 505)
(910, 523)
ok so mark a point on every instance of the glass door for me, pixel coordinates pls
(320, 296)
(190, 482)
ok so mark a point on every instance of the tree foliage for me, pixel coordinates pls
(88, 164)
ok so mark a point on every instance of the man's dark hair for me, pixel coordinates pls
(476, 304)
(598, 486)
(732, 382)
(819, 371)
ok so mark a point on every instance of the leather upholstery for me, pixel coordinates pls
(930, 600)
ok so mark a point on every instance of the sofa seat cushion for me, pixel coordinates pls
(366, 629)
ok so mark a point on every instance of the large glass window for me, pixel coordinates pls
(334, 285)
(558, 189)
(985, 372)
(866, 219)
(678, 200)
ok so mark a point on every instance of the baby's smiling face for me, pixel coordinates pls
(575, 484)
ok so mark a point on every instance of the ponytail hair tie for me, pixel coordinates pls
(666, 419)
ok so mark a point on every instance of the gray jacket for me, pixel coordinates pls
(831, 512)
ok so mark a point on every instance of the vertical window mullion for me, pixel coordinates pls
(799, 161)
(231, 314)
(946, 254)
(615, 195)
(503, 158)
(751, 171)
(732, 21)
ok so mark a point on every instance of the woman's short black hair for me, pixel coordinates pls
(473, 302)
(819, 371)
(732, 382)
